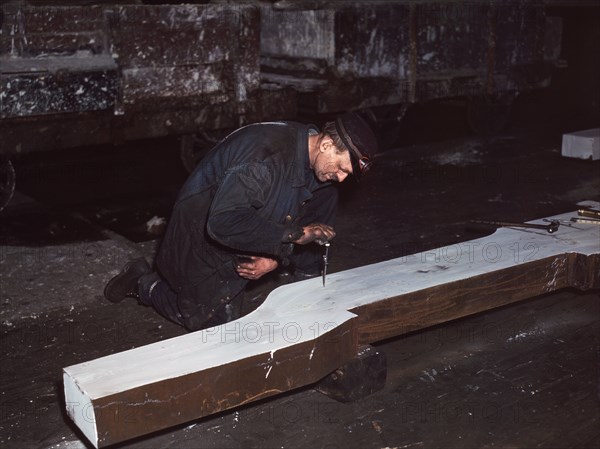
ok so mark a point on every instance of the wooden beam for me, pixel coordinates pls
(304, 331)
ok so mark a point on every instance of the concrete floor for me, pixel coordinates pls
(519, 376)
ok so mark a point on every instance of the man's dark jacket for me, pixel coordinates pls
(244, 197)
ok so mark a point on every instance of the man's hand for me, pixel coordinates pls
(255, 267)
(316, 231)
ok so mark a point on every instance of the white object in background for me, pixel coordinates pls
(582, 144)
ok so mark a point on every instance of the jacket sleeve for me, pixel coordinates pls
(234, 219)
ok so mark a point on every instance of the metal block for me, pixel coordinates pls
(360, 377)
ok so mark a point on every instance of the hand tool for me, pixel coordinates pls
(551, 227)
(325, 261)
(585, 220)
(326, 244)
(589, 213)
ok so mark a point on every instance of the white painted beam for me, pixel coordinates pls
(303, 330)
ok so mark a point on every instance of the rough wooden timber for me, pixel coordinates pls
(304, 331)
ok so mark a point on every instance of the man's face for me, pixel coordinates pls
(330, 165)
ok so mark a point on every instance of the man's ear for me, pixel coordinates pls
(325, 144)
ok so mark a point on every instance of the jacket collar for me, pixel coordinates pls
(303, 175)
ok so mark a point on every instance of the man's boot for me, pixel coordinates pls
(125, 284)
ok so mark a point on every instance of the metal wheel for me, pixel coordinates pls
(7, 182)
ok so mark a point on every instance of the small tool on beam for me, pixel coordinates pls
(589, 213)
(551, 227)
(586, 220)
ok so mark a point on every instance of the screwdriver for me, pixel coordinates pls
(551, 227)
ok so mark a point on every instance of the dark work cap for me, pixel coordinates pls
(360, 140)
